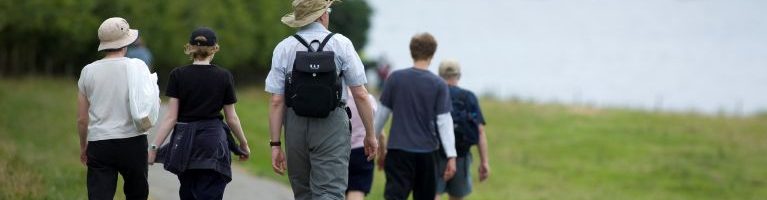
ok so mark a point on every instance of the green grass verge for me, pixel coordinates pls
(537, 151)
(39, 153)
(565, 152)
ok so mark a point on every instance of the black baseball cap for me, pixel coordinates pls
(207, 34)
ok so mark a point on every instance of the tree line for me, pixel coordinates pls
(59, 37)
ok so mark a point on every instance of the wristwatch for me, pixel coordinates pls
(275, 143)
(153, 147)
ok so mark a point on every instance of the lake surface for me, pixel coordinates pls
(682, 55)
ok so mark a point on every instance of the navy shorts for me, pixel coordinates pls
(360, 171)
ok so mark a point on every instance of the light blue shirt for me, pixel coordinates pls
(141, 53)
(346, 58)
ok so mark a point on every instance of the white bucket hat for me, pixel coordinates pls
(115, 33)
(306, 12)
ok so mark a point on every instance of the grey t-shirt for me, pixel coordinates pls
(415, 97)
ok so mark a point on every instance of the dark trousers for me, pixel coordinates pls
(126, 156)
(406, 171)
(202, 184)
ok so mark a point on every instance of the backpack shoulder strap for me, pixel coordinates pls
(465, 95)
(325, 41)
(303, 42)
(462, 96)
(467, 104)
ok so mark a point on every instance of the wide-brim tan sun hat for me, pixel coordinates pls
(306, 12)
(115, 33)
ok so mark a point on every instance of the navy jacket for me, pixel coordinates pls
(204, 144)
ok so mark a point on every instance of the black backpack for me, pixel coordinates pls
(313, 87)
(465, 126)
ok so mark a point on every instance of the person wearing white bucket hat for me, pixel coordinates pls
(308, 90)
(115, 34)
(307, 11)
(109, 141)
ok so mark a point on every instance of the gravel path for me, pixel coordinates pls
(164, 185)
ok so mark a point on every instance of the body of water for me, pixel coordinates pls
(701, 55)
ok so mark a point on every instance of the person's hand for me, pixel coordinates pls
(245, 149)
(381, 151)
(84, 155)
(381, 158)
(484, 171)
(278, 160)
(371, 146)
(449, 169)
(151, 156)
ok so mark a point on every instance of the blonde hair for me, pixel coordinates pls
(196, 52)
(449, 68)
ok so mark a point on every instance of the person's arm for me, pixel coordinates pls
(382, 115)
(230, 113)
(484, 166)
(275, 85)
(365, 110)
(276, 114)
(446, 134)
(445, 121)
(234, 124)
(168, 122)
(82, 125)
(381, 151)
(445, 129)
(383, 112)
(354, 76)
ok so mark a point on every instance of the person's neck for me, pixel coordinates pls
(323, 23)
(452, 82)
(202, 62)
(114, 55)
(422, 64)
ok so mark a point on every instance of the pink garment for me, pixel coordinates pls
(358, 129)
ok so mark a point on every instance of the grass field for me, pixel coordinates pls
(537, 151)
(38, 140)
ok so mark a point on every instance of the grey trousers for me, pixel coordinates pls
(317, 151)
